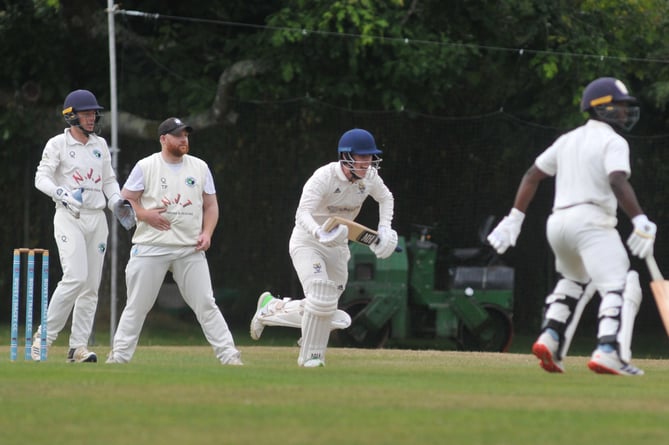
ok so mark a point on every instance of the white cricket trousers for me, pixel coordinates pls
(144, 275)
(312, 260)
(82, 244)
(587, 246)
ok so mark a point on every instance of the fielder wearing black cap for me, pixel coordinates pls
(173, 125)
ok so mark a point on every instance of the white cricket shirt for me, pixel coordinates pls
(581, 161)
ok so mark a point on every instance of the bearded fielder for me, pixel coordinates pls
(321, 257)
(174, 196)
(591, 168)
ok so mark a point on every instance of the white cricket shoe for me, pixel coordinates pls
(257, 325)
(111, 358)
(603, 362)
(546, 350)
(233, 360)
(81, 355)
(314, 363)
(36, 348)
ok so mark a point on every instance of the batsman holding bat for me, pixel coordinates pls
(320, 257)
(76, 172)
(591, 169)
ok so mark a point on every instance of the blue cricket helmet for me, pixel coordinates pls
(358, 142)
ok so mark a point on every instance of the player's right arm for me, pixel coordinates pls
(312, 194)
(507, 231)
(528, 188)
(133, 191)
(152, 217)
(46, 170)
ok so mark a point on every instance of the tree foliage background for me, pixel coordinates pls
(461, 95)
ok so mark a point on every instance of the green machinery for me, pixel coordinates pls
(400, 302)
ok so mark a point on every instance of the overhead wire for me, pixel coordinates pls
(403, 40)
(385, 39)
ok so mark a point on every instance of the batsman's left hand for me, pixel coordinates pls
(642, 239)
(385, 244)
(507, 231)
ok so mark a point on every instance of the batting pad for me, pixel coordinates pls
(631, 301)
(320, 306)
(289, 313)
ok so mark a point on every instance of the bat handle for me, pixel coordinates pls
(655, 273)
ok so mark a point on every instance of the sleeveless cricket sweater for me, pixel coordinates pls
(180, 193)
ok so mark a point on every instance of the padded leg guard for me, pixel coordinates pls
(631, 302)
(288, 313)
(590, 290)
(564, 308)
(319, 308)
(609, 317)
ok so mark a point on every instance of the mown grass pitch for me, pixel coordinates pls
(179, 394)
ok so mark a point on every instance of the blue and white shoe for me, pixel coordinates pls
(608, 362)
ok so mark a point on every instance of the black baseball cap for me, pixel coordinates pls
(172, 125)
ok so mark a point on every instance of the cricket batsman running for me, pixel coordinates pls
(320, 257)
(591, 168)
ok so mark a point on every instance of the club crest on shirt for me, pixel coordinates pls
(190, 181)
(361, 187)
(97, 153)
(317, 267)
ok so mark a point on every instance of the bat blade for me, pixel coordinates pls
(660, 288)
(661, 293)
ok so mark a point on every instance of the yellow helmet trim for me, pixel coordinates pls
(601, 100)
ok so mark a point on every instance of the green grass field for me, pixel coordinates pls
(180, 394)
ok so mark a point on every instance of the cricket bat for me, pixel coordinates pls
(356, 232)
(660, 288)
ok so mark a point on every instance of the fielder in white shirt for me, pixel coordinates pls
(321, 258)
(591, 169)
(174, 197)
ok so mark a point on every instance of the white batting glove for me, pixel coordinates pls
(642, 238)
(507, 231)
(385, 244)
(332, 238)
(66, 197)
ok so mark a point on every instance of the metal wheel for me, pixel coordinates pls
(358, 335)
(496, 336)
